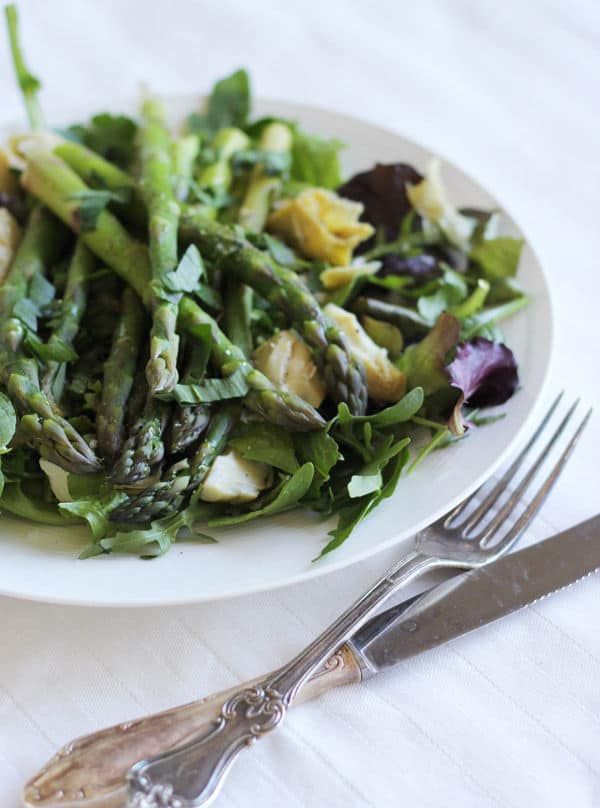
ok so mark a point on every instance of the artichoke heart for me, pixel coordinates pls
(10, 235)
(385, 383)
(234, 479)
(321, 225)
(429, 198)
(286, 360)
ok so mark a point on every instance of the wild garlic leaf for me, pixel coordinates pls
(92, 203)
(188, 272)
(8, 421)
(234, 386)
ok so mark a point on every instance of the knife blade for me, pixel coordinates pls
(474, 599)
(90, 772)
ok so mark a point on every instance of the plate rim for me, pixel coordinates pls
(316, 571)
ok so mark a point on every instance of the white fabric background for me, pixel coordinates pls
(509, 716)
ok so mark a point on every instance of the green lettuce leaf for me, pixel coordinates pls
(228, 105)
(497, 257)
(315, 160)
(425, 362)
(111, 136)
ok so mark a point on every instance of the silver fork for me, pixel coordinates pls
(191, 775)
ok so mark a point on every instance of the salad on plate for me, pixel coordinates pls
(207, 324)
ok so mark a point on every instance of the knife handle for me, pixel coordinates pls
(92, 769)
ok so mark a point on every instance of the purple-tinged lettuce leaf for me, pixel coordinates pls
(382, 191)
(486, 374)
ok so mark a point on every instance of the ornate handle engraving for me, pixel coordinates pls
(191, 775)
(202, 764)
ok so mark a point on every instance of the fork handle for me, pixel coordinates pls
(190, 776)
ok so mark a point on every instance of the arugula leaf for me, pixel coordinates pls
(267, 443)
(234, 386)
(315, 160)
(288, 494)
(353, 513)
(30, 500)
(93, 202)
(398, 413)
(498, 257)
(95, 510)
(111, 136)
(188, 272)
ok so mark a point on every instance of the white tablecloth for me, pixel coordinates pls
(509, 716)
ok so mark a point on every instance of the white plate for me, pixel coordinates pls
(40, 563)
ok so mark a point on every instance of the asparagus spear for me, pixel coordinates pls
(40, 424)
(53, 182)
(283, 408)
(96, 171)
(119, 371)
(187, 425)
(163, 219)
(344, 375)
(183, 477)
(184, 152)
(254, 210)
(70, 315)
(144, 449)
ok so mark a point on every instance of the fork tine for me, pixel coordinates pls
(504, 480)
(518, 493)
(530, 511)
(501, 486)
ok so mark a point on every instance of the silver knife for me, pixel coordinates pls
(90, 772)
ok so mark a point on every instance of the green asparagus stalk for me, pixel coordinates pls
(254, 210)
(188, 422)
(344, 375)
(70, 315)
(163, 219)
(41, 425)
(238, 310)
(283, 408)
(187, 425)
(41, 246)
(218, 175)
(182, 478)
(184, 152)
(97, 172)
(119, 372)
(51, 180)
(28, 83)
(144, 449)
